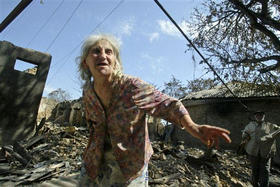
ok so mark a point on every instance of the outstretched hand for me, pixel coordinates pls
(210, 135)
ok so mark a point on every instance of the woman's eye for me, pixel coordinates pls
(95, 51)
(108, 51)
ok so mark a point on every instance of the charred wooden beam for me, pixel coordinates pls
(17, 156)
(17, 10)
(42, 123)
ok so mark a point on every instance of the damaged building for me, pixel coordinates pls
(219, 107)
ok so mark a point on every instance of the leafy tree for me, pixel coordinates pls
(240, 38)
(59, 95)
(174, 88)
(200, 84)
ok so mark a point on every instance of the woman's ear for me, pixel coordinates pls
(116, 66)
(84, 64)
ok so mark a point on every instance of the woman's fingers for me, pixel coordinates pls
(149, 97)
(219, 129)
(211, 135)
(223, 133)
(142, 92)
(226, 137)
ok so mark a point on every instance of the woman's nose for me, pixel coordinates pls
(102, 54)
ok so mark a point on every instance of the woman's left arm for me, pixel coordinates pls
(170, 109)
(208, 134)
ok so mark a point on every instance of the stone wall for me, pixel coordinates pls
(228, 114)
(68, 113)
(45, 108)
(155, 127)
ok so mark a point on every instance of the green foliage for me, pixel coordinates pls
(177, 89)
(201, 84)
(174, 88)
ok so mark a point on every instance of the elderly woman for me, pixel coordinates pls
(116, 106)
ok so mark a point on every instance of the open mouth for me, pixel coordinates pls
(102, 64)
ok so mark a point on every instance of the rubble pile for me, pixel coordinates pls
(56, 152)
(186, 166)
(179, 166)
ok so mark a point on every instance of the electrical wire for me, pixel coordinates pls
(96, 27)
(64, 25)
(47, 21)
(14, 22)
(195, 48)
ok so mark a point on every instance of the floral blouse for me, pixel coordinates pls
(126, 124)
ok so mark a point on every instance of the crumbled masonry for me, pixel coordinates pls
(56, 159)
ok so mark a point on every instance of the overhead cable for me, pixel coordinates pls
(47, 21)
(65, 25)
(96, 27)
(195, 48)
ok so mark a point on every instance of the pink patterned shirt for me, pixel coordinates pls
(126, 125)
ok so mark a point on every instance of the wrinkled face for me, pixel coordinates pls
(101, 59)
(259, 117)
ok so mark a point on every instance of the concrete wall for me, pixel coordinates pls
(228, 114)
(20, 92)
